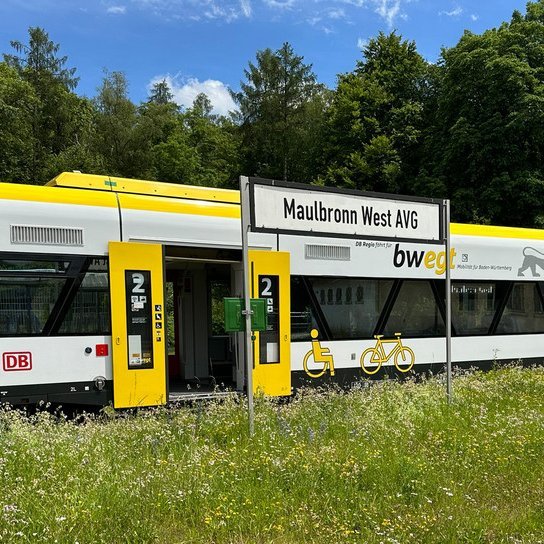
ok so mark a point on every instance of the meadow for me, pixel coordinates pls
(391, 463)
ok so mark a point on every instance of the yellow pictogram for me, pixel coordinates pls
(373, 358)
(321, 356)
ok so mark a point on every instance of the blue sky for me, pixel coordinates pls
(204, 45)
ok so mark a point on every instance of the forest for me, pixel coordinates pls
(469, 127)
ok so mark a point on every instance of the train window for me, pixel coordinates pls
(538, 304)
(360, 294)
(26, 303)
(18, 266)
(523, 311)
(302, 312)
(352, 321)
(89, 312)
(415, 312)
(474, 305)
(49, 296)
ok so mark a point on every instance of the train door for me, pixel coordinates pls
(201, 356)
(270, 279)
(138, 330)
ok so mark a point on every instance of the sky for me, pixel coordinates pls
(205, 45)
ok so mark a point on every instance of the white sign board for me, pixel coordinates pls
(307, 211)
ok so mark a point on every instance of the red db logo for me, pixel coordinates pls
(17, 361)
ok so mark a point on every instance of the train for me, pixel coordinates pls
(112, 289)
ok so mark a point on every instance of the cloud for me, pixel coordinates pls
(196, 10)
(185, 90)
(453, 13)
(280, 4)
(117, 10)
(361, 43)
(474, 16)
(337, 13)
(388, 10)
(356, 3)
(245, 6)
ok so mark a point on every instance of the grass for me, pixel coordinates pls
(388, 463)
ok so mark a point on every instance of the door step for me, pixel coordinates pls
(190, 396)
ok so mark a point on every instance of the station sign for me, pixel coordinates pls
(321, 211)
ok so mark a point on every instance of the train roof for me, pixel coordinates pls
(97, 190)
(77, 180)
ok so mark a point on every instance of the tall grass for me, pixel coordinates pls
(388, 463)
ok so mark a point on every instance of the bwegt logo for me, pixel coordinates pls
(429, 259)
(14, 361)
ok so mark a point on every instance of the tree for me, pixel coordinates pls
(161, 93)
(275, 105)
(215, 141)
(116, 136)
(79, 152)
(157, 118)
(375, 120)
(202, 150)
(39, 58)
(55, 113)
(17, 104)
(487, 137)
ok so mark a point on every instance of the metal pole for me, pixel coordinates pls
(244, 194)
(449, 391)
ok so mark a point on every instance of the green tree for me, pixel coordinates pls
(280, 113)
(55, 113)
(39, 59)
(376, 118)
(80, 151)
(161, 93)
(157, 120)
(487, 138)
(117, 137)
(215, 141)
(17, 104)
(203, 149)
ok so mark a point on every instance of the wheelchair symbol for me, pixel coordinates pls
(318, 355)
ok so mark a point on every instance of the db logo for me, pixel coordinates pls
(17, 361)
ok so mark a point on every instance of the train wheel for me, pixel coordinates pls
(368, 359)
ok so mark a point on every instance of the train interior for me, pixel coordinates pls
(202, 357)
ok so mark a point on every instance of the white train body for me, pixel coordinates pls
(62, 304)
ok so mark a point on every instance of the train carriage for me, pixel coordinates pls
(111, 291)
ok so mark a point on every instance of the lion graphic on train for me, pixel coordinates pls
(531, 259)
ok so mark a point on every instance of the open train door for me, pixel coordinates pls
(138, 324)
(270, 279)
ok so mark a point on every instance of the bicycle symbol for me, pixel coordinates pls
(320, 355)
(404, 357)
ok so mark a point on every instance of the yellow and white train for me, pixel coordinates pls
(111, 291)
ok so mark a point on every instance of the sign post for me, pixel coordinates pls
(446, 215)
(244, 195)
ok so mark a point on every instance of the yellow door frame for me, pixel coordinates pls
(270, 279)
(138, 324)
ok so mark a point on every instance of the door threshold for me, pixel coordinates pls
(189, 396)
